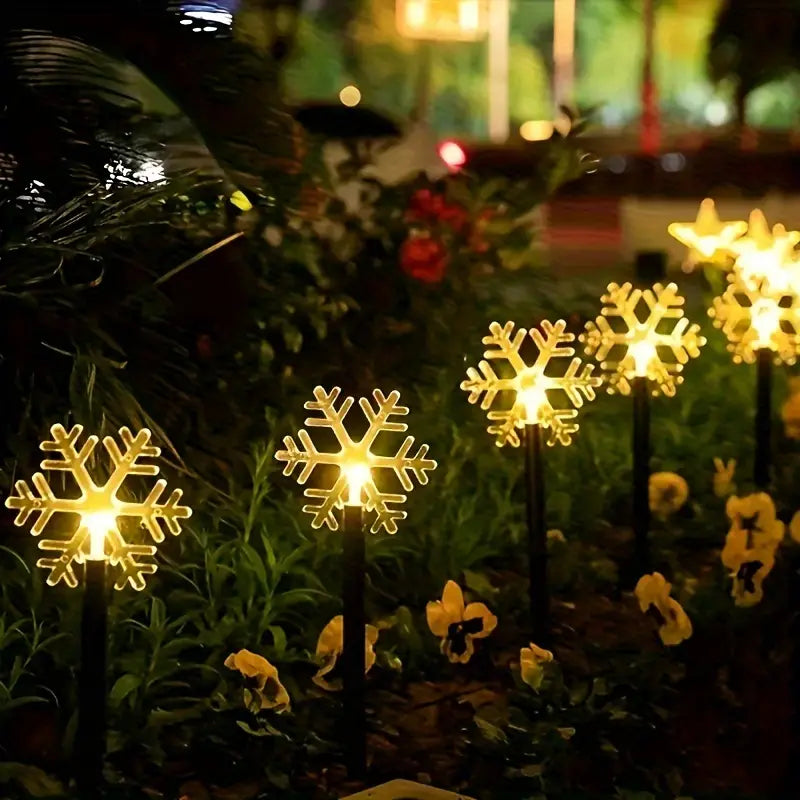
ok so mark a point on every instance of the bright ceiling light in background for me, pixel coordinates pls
(452, 153)
(350, 96)
(717, 112)
(536, 130)
(469, 15)
(454, 20)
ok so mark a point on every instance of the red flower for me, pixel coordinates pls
(424, 258)
(426, 206)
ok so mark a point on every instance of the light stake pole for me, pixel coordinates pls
(352, 487)
(97, 542)
(355, 621)
(530, 384)
(90, 741)
(642, 340)
(641, 473)
(537, 533)
(763, 431)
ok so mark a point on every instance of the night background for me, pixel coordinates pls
(581, 579)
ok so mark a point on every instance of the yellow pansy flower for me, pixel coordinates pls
(790, 413)
(531, 664)
(749, 567)
(668, 492)
(755, 517)
(457, 624)
(652, 592)
(794, 527)
(262, 682)
(750, 545)
(723, 477)
(330, 646)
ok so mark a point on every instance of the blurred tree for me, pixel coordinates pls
(753, 43)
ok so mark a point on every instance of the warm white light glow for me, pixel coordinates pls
(452, 154)
(642, 353)
(536, 130)
(765, 319)
(350, 96)
(99, 523)
(469, 15)
(358, 475)
(416, 13)
(533, 400)
(717, 112)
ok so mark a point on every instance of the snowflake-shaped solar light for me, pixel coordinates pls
(708, 235)
(98, 506)
(767, 255)
(528, 385)
(655, 344)
(756, 316)
(356, 465)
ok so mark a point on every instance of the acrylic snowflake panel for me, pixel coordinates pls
(506, 374)
(347, 452)
(43, 503)
(642, 332)
(756, 316)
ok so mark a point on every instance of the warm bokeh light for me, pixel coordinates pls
(454, 20)
(350, 96)
(452, 153)
(536, 130)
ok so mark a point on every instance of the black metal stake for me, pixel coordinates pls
(354, 648)
(763, 432)
(641, 474)
(537, 534)
(90, 742)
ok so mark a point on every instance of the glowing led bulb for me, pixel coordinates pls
(765, 319)
(642, 353)
(99, 524)
(358, 475)
(533, 400)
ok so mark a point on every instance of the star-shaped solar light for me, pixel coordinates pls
(765, 254)
(708, 235)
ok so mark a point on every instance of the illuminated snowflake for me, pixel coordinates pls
(98, 503)
(530, 383)
(758, 315)
(638, 344)
(355, 459)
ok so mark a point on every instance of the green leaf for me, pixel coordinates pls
(35, 781)
(123, 686)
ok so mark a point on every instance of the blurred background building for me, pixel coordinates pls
(434, 58)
